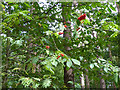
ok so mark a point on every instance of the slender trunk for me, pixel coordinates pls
(68, 74)
(87, 80)
(102, 82)
(110, 55)
(82, 81)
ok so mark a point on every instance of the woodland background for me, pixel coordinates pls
(91, 55)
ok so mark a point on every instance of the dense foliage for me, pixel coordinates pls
(34, 47)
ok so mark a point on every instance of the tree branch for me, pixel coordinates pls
(51, 8)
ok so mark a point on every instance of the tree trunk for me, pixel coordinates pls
(102, 82)
(110, 55)
(82, 81)
(68, 74)
(87, 80)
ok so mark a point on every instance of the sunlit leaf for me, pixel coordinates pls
(76, 61)
(69, 63)
(91, 66)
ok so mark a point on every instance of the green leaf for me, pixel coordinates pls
(86, 21)
(27, 4)
(102, 59)
(78, 22)
(47, 51)
(36, 79)
(29, 66)
(35, 59)
(106, 69)
(81, 58)
(54, 63)
(115, 34)
(71, 82)
(11, 40)
(18, 42)
(113, 8)
(69, 63)
(96, 65)
(116, 77)
(109, 9)
(76, 61)
(16, 69)
(28, 60)
(46, 83)
(91, 66)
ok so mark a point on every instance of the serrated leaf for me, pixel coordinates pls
(35, 59)
(46, 83)
(29, 65)
(69, 63)
(76, 61)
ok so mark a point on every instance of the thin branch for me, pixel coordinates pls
(55, 43)
(51, 8)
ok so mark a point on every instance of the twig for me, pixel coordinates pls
(51, 8)
(55, 43)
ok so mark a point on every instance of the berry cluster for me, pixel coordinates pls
(61, 55)
(79, 18)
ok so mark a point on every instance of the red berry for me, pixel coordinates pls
(77, 29)
(58, 57)
(65, 26)
(47, 47)
(60, 33)
(62, 54)
(82, 17)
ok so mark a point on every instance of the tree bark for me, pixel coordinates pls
(102, 82)
(87, 80)
(82, 81)
(68, 74)
(110, 55)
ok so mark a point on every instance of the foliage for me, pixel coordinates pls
(27, 28)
